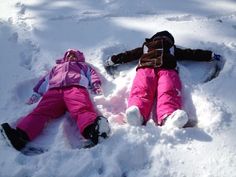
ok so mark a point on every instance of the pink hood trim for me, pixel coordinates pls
(79, 54)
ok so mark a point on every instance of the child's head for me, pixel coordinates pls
(74, 55)
(161, 34)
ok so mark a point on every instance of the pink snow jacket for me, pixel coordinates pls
(68, 73)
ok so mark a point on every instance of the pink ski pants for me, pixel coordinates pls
(162, 84)
(54, 103)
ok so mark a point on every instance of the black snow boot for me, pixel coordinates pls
(100, 128)
(16, 137)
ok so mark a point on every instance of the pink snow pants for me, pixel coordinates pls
(162, 84)
(54, 103)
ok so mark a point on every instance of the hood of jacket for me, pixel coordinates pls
(161, 34)
(79, 56)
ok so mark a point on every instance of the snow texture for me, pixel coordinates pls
(33, 34)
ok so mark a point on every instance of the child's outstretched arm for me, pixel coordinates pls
(39, 89)
(94, 81)
(199, 55)
(202, 55)
(192, 54)
(124, 57)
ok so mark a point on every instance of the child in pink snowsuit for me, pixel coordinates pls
(157, 77)
(64, 88)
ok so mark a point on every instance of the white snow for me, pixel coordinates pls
(33, 34)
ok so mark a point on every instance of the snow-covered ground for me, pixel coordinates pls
(33, 34)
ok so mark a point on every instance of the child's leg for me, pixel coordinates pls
(143, 91)
(51, 106)
(168, 93)
(80, 106)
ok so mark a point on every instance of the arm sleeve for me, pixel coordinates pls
(93, 76)
(42, 86)
(192, 54)
(127, 56)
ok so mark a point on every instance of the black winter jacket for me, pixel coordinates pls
(160, 52)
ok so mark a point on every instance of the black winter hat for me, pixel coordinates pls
(160, 34)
